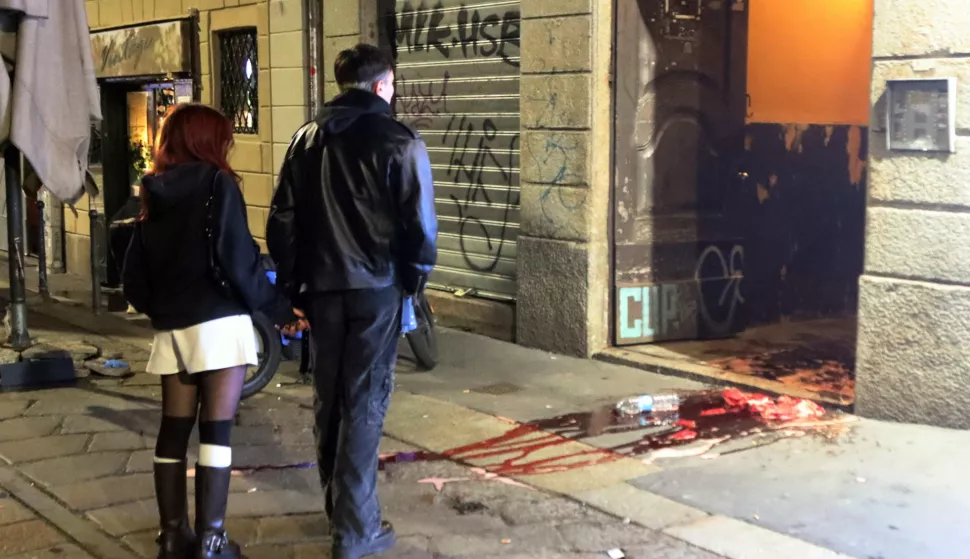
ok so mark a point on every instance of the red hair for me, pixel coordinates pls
(192, 132)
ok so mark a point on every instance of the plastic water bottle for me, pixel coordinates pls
(659, 403)
(409, 320)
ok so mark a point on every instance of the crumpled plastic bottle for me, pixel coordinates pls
(659, 403)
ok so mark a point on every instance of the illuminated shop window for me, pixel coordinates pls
(239, 79)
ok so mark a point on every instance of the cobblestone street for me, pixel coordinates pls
(79, 484)
(92, 452)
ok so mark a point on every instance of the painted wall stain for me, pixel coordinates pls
(793, 136)
(857, 163)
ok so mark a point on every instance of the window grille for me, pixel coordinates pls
(94, 152)
(238, 79)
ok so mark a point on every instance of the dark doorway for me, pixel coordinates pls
(737, 240)
(133, 113)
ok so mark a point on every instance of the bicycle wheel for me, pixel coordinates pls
(424, 340)
(270, 351)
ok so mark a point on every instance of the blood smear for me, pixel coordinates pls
(713, 412)
(784, 408)
(685, 435)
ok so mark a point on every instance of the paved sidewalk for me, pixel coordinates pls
(879, 490)
(89, 449)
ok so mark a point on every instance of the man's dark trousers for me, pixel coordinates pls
(355, 337)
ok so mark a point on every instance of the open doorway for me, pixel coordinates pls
(739, 215)
(135, 85)
(135, 110)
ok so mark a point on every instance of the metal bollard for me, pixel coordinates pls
(95, 261)
(19, 337)
(42, 284)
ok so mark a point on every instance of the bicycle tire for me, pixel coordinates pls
(269, 363)
(424, 339)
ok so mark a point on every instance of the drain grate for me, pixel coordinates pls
(500, 389)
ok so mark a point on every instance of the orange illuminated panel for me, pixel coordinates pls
(809, 61)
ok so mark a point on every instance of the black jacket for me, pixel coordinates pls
(167, 273)
(354, 208)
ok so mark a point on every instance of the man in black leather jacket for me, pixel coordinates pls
(353, 230)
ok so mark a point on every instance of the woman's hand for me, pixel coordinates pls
(300, 325)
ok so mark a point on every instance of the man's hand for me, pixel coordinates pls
(300, 325)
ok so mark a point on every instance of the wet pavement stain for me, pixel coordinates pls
(499, 389)
(383, 461)
(408, 457)
(825, 367)
(704, 421)
(516, 453)
(465, 508)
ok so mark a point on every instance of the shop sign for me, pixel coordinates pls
(145, 50)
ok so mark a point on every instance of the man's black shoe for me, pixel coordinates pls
(383, 541)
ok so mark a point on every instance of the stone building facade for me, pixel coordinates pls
(535, 110)
(282, 82)
(914, 312)
(555, 289)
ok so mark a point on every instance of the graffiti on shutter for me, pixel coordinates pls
(458, 85)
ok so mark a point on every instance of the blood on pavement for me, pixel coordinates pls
(713, 416)
(548, 445)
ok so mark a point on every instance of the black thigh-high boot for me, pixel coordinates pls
(211, 495)
(176, 540)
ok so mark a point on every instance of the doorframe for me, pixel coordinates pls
(611, 213)
(732, 68)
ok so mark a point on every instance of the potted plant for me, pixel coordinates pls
(139, 156)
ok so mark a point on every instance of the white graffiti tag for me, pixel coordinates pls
(730, 268)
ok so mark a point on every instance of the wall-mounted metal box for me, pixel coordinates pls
(921, 114)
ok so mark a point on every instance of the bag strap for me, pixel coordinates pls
(210, 234)
(210, 206)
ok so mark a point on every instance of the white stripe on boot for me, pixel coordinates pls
(214, 456)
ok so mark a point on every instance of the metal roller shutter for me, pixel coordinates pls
(458, 84)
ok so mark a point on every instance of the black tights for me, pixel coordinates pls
(213, 396)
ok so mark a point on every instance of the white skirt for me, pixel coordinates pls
(216, 344)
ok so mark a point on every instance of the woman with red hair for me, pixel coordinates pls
(194, 269)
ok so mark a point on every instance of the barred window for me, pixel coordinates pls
(238, 79)
(94, 152)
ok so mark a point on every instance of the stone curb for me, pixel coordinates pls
(737, 539)
(85, 533)
(438, 426)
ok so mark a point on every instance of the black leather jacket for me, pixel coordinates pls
(354, 208)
